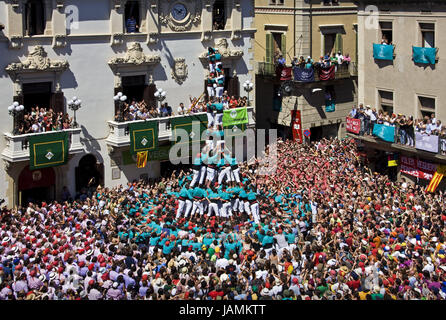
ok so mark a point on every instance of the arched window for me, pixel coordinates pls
(34, 17)
(132, 17)
(219, 15)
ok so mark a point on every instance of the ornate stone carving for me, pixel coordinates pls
(59, 41)
(236, 35)
(7, 164)
(179, 72)
(193, 17)
(206, 36)
(226, 53)
(134, 56)
(152, 38)
(15, 42)
(37, 60)
(117, 39)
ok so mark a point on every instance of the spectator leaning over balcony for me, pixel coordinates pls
(443, 141)
(340, 57)
(367, 120)
(353, 112)
(401, 125)
(347, 59)
(181, 109)
(309, 63)
(361, 116)
(295, 62)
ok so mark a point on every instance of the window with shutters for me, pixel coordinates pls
(269, 54)
(34, 17)
(279, 45)
(426, 106)
(427, 35)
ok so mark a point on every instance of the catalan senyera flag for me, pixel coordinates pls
(438, 176)
(141, 161)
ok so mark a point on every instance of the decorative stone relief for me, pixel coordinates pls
(59, 41)
(193, 16)
(206, 36)
(117, 39)
(37, 60)
(236, 35)
(15, 42)
(179, 73)
(134, 56)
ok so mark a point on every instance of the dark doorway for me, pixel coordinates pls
(89, 174)
(36, 186)
(133, 87)
(132, 11)
(329, 131)
(219, 15)
(36, 94)
(34, 17)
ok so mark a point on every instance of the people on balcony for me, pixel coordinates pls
(44, 120)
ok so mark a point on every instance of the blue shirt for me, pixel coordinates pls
(131, 25)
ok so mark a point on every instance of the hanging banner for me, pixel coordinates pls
(424, 55)
(353, 125)
(330, 105)
(286, 74)
(417, 168)
(426, 142)
(327, 73)
(235, 116)
(303, 74)
(143, 136)
(141, 161)
(383, 51)
(194, 125)
(48, 150)
(392, 160)
(386, 133)
(296, 126)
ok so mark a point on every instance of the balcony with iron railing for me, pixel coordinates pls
(17, 146)
(120, 132)
(343, 71)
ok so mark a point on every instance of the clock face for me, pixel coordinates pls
(179, 12)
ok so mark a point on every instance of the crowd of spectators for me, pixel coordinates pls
(43, 120)
(329, 229)
(140, 111)
(405, 126)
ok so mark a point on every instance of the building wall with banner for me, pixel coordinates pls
(401, 75)
(98, 39)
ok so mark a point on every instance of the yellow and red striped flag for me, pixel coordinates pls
(438, 176)
(141, 161)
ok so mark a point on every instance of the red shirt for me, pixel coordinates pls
(214, 294)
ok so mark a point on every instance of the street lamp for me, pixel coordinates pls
(120, 97)
(248, 86)
(14, 111)
(75, 104)
(160, 95)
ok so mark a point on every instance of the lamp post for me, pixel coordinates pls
(248, 86)
(121, 98)
(75, 104)
(14, 111)
(160, 95)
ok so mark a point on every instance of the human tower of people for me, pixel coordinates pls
(215, 187)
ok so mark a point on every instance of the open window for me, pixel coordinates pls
(386, 28)
(329, 43)
(34, 17)
(132, 17)
(219, 15)
(386, 101)
(427, 35)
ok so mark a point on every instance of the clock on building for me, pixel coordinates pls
(179, 12)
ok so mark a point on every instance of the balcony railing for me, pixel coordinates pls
(120, 133)
(17, 146)
(432, 145)
(343, 71)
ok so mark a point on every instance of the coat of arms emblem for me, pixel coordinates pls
(179, 72)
